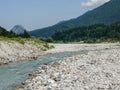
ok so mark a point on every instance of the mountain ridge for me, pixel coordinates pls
(107, 13)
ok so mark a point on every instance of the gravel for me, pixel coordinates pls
(11, 51)
(97, 70)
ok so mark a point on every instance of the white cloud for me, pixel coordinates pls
(93, 2)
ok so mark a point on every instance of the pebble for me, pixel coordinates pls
(13, 51)
(97, 70)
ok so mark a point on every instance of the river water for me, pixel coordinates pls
(15, 73)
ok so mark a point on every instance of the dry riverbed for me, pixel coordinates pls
(99, 69)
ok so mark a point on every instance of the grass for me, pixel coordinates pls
(35, 41)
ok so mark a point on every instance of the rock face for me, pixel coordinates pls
(18, 29)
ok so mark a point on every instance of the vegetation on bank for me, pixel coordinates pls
(23, 38)
(5, 33)
(40, 43)
(89, 34)
(86, 34)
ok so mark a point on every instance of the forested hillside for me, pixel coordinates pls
(3, 32)
(93, 33)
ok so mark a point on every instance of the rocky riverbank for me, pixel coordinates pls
(11, 51)
(97, 70)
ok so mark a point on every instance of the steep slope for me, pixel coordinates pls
(106, 14)
(3, 32)
(2, 29)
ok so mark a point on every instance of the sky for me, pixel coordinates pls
(36, 14)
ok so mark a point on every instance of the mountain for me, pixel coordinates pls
(18, 29)
(106, 14)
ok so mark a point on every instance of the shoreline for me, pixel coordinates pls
(12, 51)
(99, 69)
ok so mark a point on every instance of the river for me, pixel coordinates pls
(15, 73)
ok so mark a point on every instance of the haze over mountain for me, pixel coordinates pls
(106, 14)
(18, 29)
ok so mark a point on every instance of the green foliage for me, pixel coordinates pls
(24, 35)
(3, 32)
(35, 41)
(23, 38)
(90, 34)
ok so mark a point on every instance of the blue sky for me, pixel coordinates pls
(34, 14)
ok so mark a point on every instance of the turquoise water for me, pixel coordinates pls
(17, 72)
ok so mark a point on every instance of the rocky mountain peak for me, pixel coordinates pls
(18, 29)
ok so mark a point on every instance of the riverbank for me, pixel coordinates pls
(97, 70)
(12, 51)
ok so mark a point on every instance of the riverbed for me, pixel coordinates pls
(17, 72)
(99, 69)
